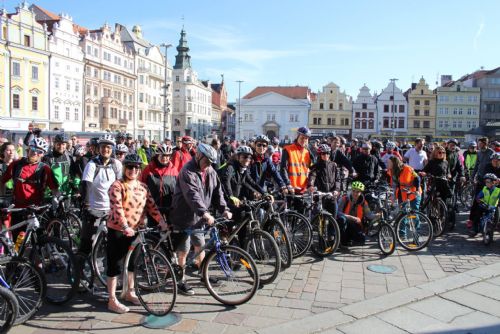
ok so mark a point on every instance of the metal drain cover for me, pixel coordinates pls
(381, 269)
(152, 321)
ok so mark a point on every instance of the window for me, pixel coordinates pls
(440, 124)
(427, 102)
(329, 121)
(96, 73)
(363, 124)
(426, 112)
(16, 69)
(76, 114)
(386, 108)
(319, 120)
(357, 115)
(141, 97)
(56, 112)
(321, 105)
(77, 87)
(96, 91)
(363, 114)
(176, 78)
(401, 108)
(416, 124)
(87, 111)
(427, 124)
(67, 114)
(455, 111)
(96, 53)
(401, 124)
(89, 49)
(364, 106)
(34, 72)
(370, 115)
(140, 115)
(96, 112)
(346, 121)
(34, 103)
(417, 112)
(68, 85)
(56, 82)
(357, 124)
(341, 106)
(315, 121)
(87, 90)
(370, 124)
(27, 40)
(460, 111)
(386, 122)
(417, 102)
(331, 106)
(4, 32)
(15, 101)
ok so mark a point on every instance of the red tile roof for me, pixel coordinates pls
(293, 92)
(49, 14)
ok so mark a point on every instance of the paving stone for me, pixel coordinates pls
(276, 312)
(255, 321)
(440, 309)
(475, 301)
(205, 327)
(353, 284)
(369, 325)
(407, 319)
(185, 326)
(230, 318)
(327, 296)
(353, 293)
(476, 319)
(296, 303)
(485, 289)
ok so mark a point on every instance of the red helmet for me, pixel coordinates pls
(187, 140)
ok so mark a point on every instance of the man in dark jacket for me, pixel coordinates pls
(226, 149)
(198, 188)
(366, 165)
(262, 169)
(324, 176)
(483, 159)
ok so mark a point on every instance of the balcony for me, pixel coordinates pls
(123, 121)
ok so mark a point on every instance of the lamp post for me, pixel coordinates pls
(393, 123)
(165, 92)
(239, 108)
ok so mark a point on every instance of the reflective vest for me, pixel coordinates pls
(406, 180)
(358, 208)
(491, 199)
(470, 161)
(299, 161)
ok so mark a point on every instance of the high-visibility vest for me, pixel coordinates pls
(299, 161)
(406, 180)
(470, 160)
(491, 199)
(358, 208)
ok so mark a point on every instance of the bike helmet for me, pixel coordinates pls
(495, 156)
(93, 141)
(208, 151)
(244, 150)
(453, 141)
(390, 145)
(304, 131)
(357, 185)
(107, 138)
(132, 159)
(227, 138)
(80, 150)
(276, 141)
(187, 140)
(61, 138)
(472, 144)
(490, 176)
(262, 139)
(164, 149)
(120, 135)
(122, 148)
(252, 140)
(39, 143)
(324, 148)
(129, 136)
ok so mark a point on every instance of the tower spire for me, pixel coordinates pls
(182, 60)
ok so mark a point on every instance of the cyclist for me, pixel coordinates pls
(324, 176)
(146, 152)
(98, 176)
(438, 167)
(366, 165)
(184, 154)
(62, 165)
(220, 156)
(470, 157)
(390, 151)
(416, 157)
(8, 156)
(161, 176)
(483, 159)
(121, 151)
(262, 168)
(197, 189)
(129, 200)
(92, 150)
(402, 176)
(226, 148)
(456, 169)
(296, 160)
(129, 141)
(487, 199)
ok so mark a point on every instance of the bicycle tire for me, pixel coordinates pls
(75, 228)
(28, 284)
(437, 212)
(9, 309)
(220, 267)
(467, 196)
(386, 239)
(60, 268)
(300, 231)
(278, 231)
(56, 228)
(263, 249)
(408, 235)
(324, 243)
(153, 282)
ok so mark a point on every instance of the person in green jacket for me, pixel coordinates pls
(470, 158)
(145, 152)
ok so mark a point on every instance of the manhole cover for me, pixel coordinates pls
(377, 268)
(152, 321)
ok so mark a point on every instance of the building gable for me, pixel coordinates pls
(272, 98)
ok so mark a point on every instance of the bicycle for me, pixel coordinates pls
(434, 206)
(62, 222)
(53, 255)
(9, 307)
(488, 223)
(228, 272)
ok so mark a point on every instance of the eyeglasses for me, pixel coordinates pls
(261, 145)
(132, 167)
(120, 153)
(36, 151)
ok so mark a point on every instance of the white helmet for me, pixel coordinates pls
(208, 151)
(80, 150)
(107, 138)
(390, 145)
(244, 150)
(39, 143)
(164, 149)
(122, 148)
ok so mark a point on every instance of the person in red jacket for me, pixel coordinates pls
(185, 154)
(161, 176)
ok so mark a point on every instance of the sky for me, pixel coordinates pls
(310, 42)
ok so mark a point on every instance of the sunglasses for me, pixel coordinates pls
(37, 151)
(247, 157)
(261, 145)
(440, 152)
(131, 167)
(165, 155)
(325, 153)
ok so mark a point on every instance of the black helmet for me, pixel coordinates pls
(61, 138)
(132, 159)
(94, 141)
(120, 135)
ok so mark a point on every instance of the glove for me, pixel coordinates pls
(236, 201)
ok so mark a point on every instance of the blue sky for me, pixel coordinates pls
(311, 42)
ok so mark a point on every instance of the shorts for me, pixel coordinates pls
(182, 240)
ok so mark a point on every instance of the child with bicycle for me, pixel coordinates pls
(130, 200)
(487, 200)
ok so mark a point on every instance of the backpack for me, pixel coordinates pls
(38, 177)
(99, 166)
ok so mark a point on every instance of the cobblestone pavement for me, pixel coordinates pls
(309, 287)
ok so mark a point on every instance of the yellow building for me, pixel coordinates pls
(331, 111)
(421, 110)
(24, 66)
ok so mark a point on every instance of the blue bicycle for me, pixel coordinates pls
(9, 306)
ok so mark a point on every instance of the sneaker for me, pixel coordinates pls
(185, 289)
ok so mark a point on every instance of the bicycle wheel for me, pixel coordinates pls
(467, 196)
(437, 212)
(326, 235)
(74, 225)
(300, 232)
(276, 229)
(28, 284)
(60, 269)
(155, 283)
(386, 239)
(261, 246)
(414, 231)
(230, 275)
(9, 307)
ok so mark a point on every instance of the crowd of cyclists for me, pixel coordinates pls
(180, 185)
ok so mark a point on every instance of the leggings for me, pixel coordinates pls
(116, 248)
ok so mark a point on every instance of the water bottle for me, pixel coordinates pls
(19, 241)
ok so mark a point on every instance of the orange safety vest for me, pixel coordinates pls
(406, 179)
(299, 161)
(359, 208)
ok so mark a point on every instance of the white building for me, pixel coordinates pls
(274, 111)
(66, 71)
(150, 64)
(364, 114)
(192, 98)
(392, 111)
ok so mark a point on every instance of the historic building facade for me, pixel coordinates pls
(331, 111)
(364, 114)
(421, 110)
(219, 107)
(392, 111)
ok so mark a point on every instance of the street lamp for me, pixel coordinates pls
(393, 123)
(165, 92)
(239, 107)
